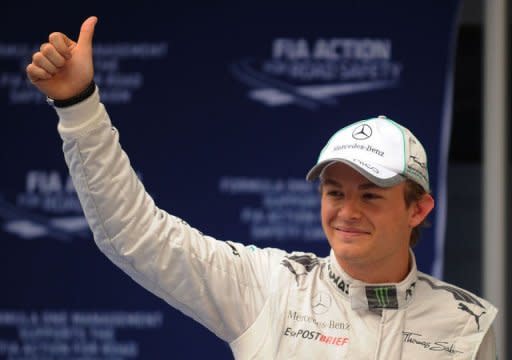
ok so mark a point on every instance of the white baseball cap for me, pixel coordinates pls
(383, 151)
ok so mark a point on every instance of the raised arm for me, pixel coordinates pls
(203, 277)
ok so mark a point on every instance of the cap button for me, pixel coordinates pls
(382, 117)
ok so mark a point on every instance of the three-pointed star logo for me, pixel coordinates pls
(321, 302)
(362, 132)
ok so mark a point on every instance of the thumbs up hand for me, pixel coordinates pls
(64, 68)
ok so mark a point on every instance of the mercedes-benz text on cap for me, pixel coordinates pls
(380, 149)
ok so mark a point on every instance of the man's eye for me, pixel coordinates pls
(371, 196)
(334, 193)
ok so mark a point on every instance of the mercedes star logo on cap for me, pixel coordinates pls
(362, 132)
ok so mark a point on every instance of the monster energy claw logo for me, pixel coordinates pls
(381, 297)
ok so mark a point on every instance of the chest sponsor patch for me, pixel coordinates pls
(316, 336)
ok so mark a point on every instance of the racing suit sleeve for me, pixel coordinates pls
(487, 350)
(222, 285)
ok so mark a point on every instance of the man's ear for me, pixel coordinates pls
(421, 209)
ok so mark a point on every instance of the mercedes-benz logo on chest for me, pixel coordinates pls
(321, 303)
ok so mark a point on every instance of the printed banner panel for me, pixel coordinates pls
(223, 109)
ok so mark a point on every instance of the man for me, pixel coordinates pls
(365, 301)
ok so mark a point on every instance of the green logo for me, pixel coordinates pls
(382, 297)
(381, 293)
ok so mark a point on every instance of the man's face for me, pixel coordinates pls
(367, 226)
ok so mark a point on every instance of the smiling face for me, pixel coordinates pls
(368, 227)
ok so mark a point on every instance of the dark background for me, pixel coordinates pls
(463, 245)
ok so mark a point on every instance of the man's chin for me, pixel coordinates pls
(351, 253)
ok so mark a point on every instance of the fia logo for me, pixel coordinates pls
(48, 207)
(313, 73)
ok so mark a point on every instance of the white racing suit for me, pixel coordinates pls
(266, 303)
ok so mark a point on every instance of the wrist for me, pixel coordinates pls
(78, 119)
(86, 93)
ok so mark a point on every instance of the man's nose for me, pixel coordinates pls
(350, 209)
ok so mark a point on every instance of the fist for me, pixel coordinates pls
(63, 68)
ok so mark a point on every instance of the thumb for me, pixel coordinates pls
(87, 32)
